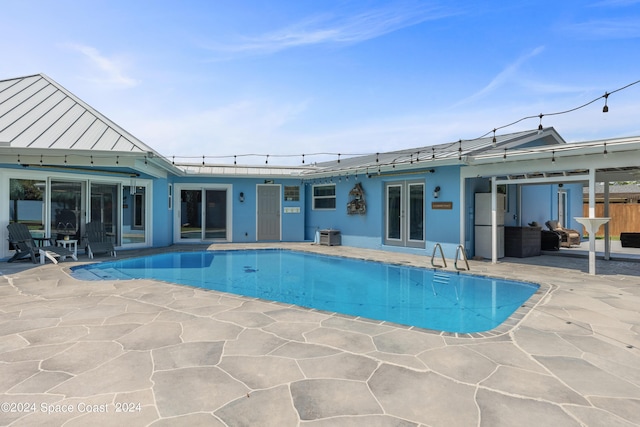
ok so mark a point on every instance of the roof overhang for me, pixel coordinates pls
(612, 160)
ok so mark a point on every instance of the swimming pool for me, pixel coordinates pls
(413, 296)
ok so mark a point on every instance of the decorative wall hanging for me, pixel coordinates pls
(356, 203)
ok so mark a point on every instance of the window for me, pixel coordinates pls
(324, 196)
(292, 193)
(27, 204)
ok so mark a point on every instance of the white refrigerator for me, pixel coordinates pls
(482, 224)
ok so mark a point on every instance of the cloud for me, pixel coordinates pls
(246, 126)
(331, 30)
(623, 28)
(502, 77)
(112, 70)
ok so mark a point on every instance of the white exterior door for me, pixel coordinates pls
(404, 214)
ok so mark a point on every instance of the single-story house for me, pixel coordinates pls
(63, 164)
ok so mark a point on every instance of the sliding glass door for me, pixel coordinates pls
(204, 214)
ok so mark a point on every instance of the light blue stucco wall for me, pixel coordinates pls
(540, 204)
(367, 231)
(162, 234)
(244, 227)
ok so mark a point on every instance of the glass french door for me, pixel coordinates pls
(404, 214)
(104, 208)
(203, 214)
(67, 200)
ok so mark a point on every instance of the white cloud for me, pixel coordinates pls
(336, 30)
(623, 28)
(501, 78)
(239, 128)
(111, 70)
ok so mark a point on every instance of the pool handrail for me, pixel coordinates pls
(433, 264)
(460, 249)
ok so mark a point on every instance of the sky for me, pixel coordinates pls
(284, 78)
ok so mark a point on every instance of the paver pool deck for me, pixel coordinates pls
(143, 352)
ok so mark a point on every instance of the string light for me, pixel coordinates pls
(540, 128)
(117, 160)
(234, 160)
(266, 162)
(460, 150)
(202, 160)
(571, 110)
(65, 160)
(493, 132)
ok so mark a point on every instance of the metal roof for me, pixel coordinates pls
(439, 155)
(36, 112)
(243, 171)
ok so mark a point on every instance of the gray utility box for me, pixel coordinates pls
(330, 237)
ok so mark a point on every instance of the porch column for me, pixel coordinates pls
(592, 214)
(494, 221)
(607, 242)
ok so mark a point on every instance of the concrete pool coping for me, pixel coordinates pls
(189, 356)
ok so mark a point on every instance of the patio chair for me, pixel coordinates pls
(98, 241)
(23, 243)
(568, 236)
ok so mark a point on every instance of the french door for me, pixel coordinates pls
(404, 214)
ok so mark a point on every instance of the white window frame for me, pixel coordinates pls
(314, 197)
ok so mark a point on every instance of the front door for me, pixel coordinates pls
(404, 214)
(268, 212)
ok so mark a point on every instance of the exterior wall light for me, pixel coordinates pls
(436, 192)
(241, 197)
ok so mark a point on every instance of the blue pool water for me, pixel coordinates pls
(406, 295)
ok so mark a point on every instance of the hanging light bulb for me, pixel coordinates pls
(553, 156)
(540, 128)
(494, 138)
(605, 150)
(605, 109)
(504, 156)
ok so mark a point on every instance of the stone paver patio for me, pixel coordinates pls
(141, 352)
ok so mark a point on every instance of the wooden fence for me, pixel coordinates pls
(625, 217)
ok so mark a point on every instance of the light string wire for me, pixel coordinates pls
(444, 149)
(401, 156)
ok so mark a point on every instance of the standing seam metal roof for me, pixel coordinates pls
(36, 112)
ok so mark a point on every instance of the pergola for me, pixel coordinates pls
(589, 162)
